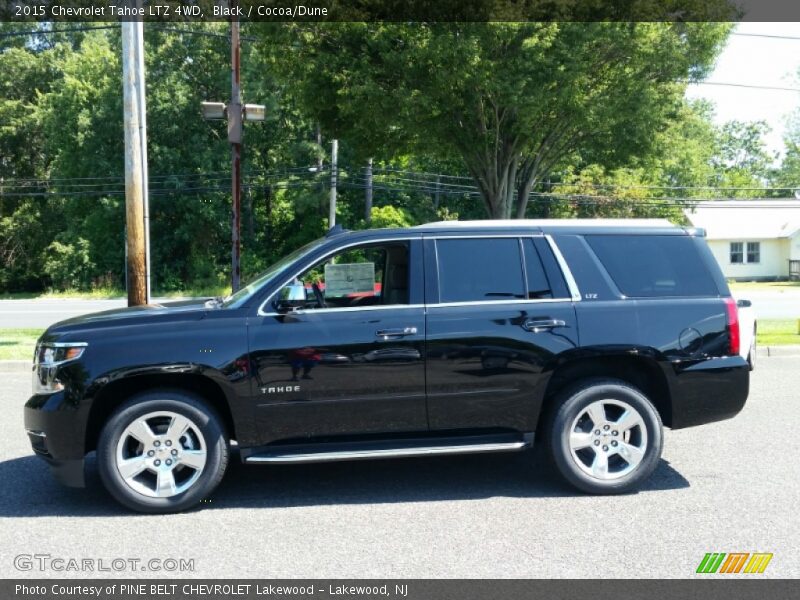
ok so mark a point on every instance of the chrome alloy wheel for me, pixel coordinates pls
(608, 439)
(161, 454)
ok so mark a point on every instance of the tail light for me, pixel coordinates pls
(734, 336)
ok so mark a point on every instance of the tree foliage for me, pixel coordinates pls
(546, 119)
(514, 101)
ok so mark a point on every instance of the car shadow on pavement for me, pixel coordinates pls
(28, 489)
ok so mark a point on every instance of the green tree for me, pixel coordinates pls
(514, 101)
(741, 159)
(787, 175)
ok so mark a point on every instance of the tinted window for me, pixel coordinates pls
(361, 276)
(558, 287)
(653, 265)
(538, 284)
(480, 269)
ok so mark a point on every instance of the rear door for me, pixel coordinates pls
(498, 313)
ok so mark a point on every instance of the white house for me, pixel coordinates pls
(752, 239)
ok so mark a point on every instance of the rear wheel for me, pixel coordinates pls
(605, 436)
(163, 451)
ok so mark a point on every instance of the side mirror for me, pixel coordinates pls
(291, 297)
(744, 303)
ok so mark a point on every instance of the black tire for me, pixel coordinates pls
(570, 404)
(202, 417)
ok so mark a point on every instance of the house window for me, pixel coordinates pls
(753, 252)
(737, 252)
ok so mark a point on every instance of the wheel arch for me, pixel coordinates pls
(642, 372)
(115, 393)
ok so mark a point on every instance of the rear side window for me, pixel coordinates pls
(648, 266)
(538, 284)
(480, 269)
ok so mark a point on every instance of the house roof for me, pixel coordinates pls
(746, 219)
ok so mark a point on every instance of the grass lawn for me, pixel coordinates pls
(778, 332)
(767, 286)
(18, 344)
(109, 293)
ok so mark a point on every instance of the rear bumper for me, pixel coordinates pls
(52, 423)
(710, 390)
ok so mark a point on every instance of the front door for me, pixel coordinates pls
(348, 360)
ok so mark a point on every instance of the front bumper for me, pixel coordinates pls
(53, 425)
(709, 390)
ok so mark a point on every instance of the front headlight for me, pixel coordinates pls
(48, 359)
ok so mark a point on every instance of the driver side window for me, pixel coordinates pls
(370, 275)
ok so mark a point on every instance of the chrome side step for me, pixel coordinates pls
(305, 454)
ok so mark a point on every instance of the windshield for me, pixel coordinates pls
(239, 298)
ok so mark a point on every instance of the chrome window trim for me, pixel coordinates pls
(521, 235)
(572, 285)
(562, 263)
(498, 302)
(551, 223)
(308, 265)
(316, 311)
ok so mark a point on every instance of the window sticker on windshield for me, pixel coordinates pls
(352, 278)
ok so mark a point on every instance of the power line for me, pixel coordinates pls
(119, 180)
(391, 180)
(766, 35)
(745, 85)
(49, 31)
(672, 201)
(153, 27)
(677, 187)
(206, 33)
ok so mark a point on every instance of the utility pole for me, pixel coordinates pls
(143, 143)
(368, 199)
(236, 113)
(235, 138)
(334, 173)
(134, 205)
(320, 164)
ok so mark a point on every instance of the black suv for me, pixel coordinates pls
(440, 339)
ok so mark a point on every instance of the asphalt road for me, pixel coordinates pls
(771, 304)
(727, 487)
(41, 313)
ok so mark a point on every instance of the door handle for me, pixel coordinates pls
(539, 325)
(391, 334)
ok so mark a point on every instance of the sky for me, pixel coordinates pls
(757, 61)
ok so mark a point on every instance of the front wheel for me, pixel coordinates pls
(605, 437)
(162, 451)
